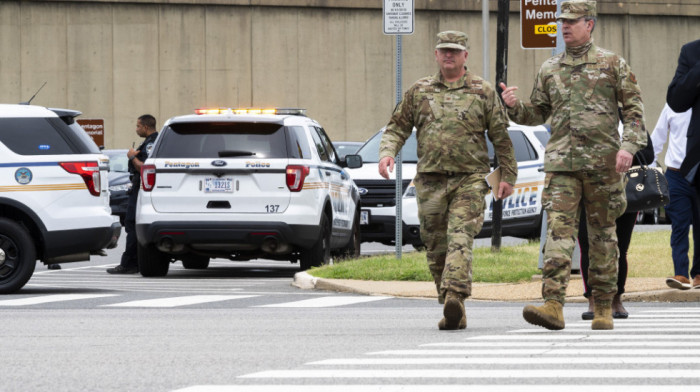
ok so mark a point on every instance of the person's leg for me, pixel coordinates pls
(465, 219)
(682, 196)
(560, 198)
(604, 199)
(695, 210)
(129, 261)
(624, 227)
(431, 196)
(584, 262)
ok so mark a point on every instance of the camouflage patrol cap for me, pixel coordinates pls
(452, 40)
(576, 9)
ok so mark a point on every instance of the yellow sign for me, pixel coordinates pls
(546, 29)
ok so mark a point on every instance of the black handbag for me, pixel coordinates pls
(646, 187)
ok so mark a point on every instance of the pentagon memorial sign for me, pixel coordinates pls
(538, 24)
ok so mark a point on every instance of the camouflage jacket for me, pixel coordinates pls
(450, 119)
(582, 96)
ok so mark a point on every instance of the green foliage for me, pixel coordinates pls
(649, 256)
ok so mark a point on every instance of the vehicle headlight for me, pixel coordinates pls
(410, 191)
(120, 187)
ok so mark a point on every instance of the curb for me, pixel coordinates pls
(305, 281)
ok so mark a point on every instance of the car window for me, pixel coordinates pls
(523, 149)
(542, 136)
(223, 140)
(320, 147)
(34, 136)
(370, 151)
(328, 145)
(297, 145)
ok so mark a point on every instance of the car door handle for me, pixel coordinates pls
(328, 173)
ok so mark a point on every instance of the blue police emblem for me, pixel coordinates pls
(23, 175)
(362, 191)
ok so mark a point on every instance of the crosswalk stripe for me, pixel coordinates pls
(423, 388)
(540, 351)
(324, 302)
(668, 316)
(618, 329)
(583, 337)
(172, 302)
(495, 375)
(670, 360)
(44, 299)
(626, 343)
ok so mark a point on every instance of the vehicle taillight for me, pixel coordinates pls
(148, 177)
(89, 171)
(295, 177)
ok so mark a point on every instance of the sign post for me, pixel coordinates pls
(398, 20)
(538, 24)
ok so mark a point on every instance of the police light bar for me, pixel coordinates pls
(212, 110)
(287, 111)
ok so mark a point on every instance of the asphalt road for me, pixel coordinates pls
(243, 327)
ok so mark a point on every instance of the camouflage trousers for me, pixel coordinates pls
(602, 194)
(451, 212)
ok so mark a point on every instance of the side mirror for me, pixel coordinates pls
(353, 161)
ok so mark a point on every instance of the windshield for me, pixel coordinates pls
(118, 161)
(370, 151)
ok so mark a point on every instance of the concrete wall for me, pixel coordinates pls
(119, 59)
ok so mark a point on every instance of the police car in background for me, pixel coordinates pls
(54, 202)
(522, 211)
(245, 184)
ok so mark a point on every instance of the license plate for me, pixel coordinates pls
(364, 217)
(218, 185)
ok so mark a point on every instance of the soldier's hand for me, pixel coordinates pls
(508, 95)
(504, 190)
(384, 163)
(623, 161)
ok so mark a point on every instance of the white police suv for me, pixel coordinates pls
(54, 202)
(522, 211)
(245, 184)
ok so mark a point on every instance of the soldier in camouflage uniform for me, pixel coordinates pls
(581, 90)
(451, 111)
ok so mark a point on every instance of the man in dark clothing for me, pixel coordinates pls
(146, 128)
(683, 94)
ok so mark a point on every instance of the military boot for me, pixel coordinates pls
(602, 315)
(455, 315)
(550, 315)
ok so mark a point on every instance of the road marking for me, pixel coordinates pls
(423, 388)
(500, 374)
(616, 330)
(583, 337)
(541, 351)
(172, 302)
(510, 361)
(325, 302)
(44, 299)
(679, 343)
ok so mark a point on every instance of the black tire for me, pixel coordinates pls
(640, 217)
(152, 262)
(655, 217)
(195, 262)
(320, 252)
(353, 248)
(17, 256)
